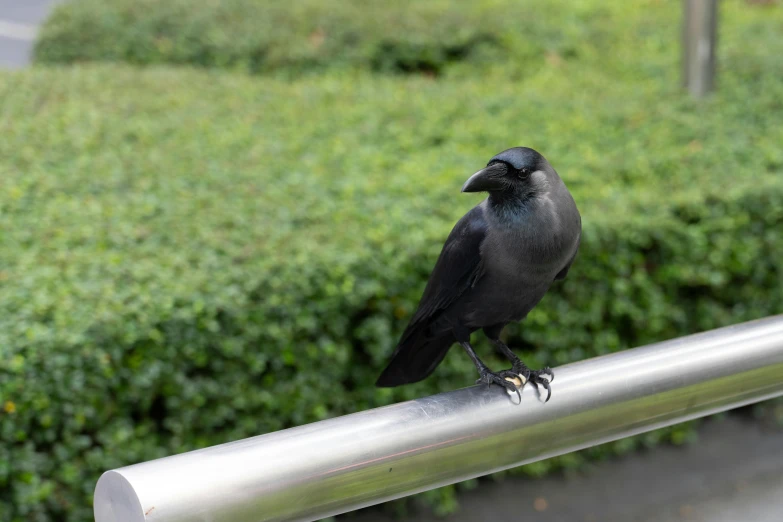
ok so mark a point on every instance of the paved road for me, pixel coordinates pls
(19, 20)
(734, 473)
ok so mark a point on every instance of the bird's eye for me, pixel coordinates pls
(523, 173)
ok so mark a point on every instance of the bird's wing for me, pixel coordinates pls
(457, 269)
(564, 272)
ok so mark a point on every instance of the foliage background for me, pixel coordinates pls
(222, 232)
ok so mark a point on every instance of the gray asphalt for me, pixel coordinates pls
(19, 20)
(734, 472)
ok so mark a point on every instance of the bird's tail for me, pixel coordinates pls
(415, 359)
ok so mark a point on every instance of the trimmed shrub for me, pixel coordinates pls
(264, 36)
(191, 258)
(454, 37)
(310, 35)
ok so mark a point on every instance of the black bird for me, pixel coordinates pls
(496, 265)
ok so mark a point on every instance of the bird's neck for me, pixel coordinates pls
(511, 205)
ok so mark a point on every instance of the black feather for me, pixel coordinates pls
(458, 268)
(496, 265)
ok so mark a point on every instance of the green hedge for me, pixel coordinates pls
(262, 36)
(188, 258)
(402, 36)
(454, 37)
(191, 258)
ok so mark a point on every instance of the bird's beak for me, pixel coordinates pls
(487, 179)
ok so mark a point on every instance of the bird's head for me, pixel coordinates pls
(519, 171)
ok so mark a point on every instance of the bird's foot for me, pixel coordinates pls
(489, 377)
(535, 377)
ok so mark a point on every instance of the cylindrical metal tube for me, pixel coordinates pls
(346, 463)
(699, 45)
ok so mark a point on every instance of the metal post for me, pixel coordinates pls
(338, 465)
(699, 33)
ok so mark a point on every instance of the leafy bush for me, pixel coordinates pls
(456, 37)
(188, 258)
(259, 36)
(191, 258)
(402, 36)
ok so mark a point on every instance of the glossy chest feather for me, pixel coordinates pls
(522, 253)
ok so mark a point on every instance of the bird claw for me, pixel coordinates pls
(546, 370)
(538, 377)
(543, 377)
(487, 377)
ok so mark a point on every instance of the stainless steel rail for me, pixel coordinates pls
(342, 464)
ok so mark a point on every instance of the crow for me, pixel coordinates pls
(496, 265)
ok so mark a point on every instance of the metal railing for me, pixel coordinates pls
(346, 463)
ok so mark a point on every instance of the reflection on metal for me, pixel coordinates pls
(699, 38)
(346, 463)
